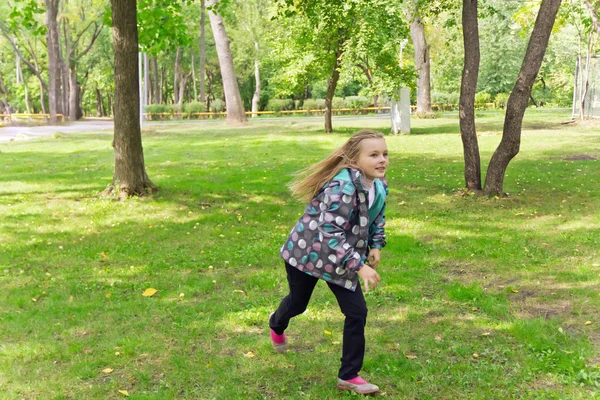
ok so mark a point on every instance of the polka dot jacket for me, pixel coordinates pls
(331, 239)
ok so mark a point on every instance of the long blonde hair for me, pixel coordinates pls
(309, 181)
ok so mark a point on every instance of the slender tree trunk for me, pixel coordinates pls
(331, 85)
(155, 82)
(594, 15)
(73, 95)
(4, 95)
(517, 102)
(422, 61)
(468, 88)
(585, 77)
(233, 100)
(99, 112)
(202, 52)
(176, 76)
(130, 178)
(256, 96)
(194, 79)
(54, 89)
(65, 64)
(26, 92)
(182, 81)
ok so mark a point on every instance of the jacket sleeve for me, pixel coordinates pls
(336, 203)
(377, 231)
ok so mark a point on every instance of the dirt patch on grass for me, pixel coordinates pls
(530, 307)
(580, 157)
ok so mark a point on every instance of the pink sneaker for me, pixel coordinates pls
(279, 342)
(358, 385)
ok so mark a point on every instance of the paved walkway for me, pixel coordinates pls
(8, 133)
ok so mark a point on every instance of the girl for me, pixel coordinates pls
(341, 229)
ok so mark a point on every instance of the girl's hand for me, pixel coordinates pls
(373, 258)
(369, 276)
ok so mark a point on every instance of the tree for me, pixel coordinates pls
(130, 178)
(55, 81)
(519, 97)
(233, 100)
(422, 62)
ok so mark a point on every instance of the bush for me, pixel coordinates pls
(156, 108)
(445, 98)
(217, 105)
(313, 104)
(357, 101)
(278, 105)
(482, 98)
(338, 102)
(500, 100)
(175, 108)
(194, 107)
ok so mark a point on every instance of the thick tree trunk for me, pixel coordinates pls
(99, 111)
(233, 100)
(130, 178)
(422, 61)
(202, 52)
(155, 82)
(468, 88)
(256, 96)
(54, 71)
(182, 82)
(331, 85)
(517, 102)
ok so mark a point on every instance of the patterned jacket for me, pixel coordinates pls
(331, 239)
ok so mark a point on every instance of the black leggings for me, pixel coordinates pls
(352, 305)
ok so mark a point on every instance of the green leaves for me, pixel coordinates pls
(23, 15)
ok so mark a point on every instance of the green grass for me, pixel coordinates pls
(480, 298)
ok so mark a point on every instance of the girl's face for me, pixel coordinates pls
(373, 158)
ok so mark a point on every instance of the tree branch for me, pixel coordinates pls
(594, 15)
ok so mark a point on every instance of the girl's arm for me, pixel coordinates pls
(377, 231)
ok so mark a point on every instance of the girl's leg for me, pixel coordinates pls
(354, 307)
(301, 288)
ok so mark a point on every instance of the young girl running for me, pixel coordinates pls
(338, 239)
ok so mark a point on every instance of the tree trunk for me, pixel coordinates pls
(64, 63)
(233, 100)
(331, 85)
(130, 178)
(155, 82)
(468, 88)
(176, 76)
(202, 52)
(99, 111)
(182, 81)
(54, 73)
(517, 102)
(4, 95)
(256, 96)
(73, 95)
(417, 31)
(594, 15)
(194, 79)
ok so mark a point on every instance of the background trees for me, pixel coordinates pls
(301, 54)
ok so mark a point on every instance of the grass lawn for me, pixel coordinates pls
(480, 298)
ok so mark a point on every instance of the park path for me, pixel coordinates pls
(8, 133)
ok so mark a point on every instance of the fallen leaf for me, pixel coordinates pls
(104, 256)
(107, 370)
(475, 355)
(434, 321)
(124, 393)
(86, 351)
(514, 290)
(239, 291)
(34, 299)
(208, 364)
(588, 322)
(149, 292)
(108, 295)
(117, 353)
(327, 332)
(249, 354)
(336, 342)
(437, 338)
(70, 298)
(411, 357)
(486, 334)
